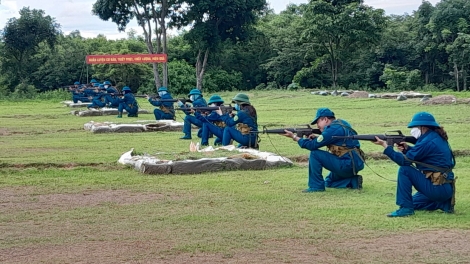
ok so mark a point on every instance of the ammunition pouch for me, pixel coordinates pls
(165, 109)
(220, 124)
(338, 150)
(437, 177)
(243, 128)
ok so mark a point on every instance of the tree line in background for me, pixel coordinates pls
(242, 45)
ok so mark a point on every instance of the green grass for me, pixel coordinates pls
(47, 153)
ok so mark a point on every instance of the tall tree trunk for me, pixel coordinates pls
(200, 68)
(165, 51)
(464, 78)
(165, 47)
(147, 27)
(336, 73)
(456, 75)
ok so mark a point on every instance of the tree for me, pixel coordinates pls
(446, 22)
(62, 66)
(336, 28)
(150, 15)
(22, 38)
(213, 22)
(287, 53)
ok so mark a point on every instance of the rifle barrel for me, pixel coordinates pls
(372, 138)
(293, 130)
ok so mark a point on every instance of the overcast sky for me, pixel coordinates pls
(76, 14)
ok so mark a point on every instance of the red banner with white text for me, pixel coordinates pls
(126, 58)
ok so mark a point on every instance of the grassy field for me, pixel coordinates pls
(64, 198)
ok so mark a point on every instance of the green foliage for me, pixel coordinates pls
(288, 53)
(24, 90)
(428, 49)
(220, 80)
(398, 79)
(214, 22)
(261, 86)
(334, 29)
(22, 38)
(293, 86)
(180, 77)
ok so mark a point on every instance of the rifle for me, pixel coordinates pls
(183, 100)
(224, 108)
(135, 95)
(391, 137)
(300, 132)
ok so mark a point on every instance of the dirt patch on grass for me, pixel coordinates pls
(438, 246)
(4, 132)
(71, 165)
(25, 199)
(89, 252)
(359, 94)
(97, 243)
(441, 99)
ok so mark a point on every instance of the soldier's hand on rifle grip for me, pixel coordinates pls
(312, 136)
(219, 111)
(402, 146)
(380, 142)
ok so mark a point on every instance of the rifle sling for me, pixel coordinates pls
(439, 169)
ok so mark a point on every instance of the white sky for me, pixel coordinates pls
(76, 14)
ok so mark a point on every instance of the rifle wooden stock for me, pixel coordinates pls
(300, 132)
(395, 138)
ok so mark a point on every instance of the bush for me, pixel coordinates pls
(181, 77)
(272, 86)
(355, 87)
(293, 86)
(430, 88)
(261, 86)
(59, 94)
(221, 80)
(25, 91)
(399, 79)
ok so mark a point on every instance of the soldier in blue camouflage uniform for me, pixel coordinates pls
(246, 122)
(344, 159)
(128, 103)
(165, 110)
(212, 122)
(195, 96)
(98, 100)
(426, 166)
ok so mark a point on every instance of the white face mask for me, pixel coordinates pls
(237, 107)
(212, 105)
(106, 86)
(415, 132)
(161, 93)
(192, 98)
